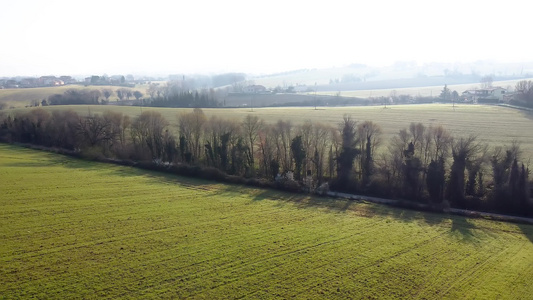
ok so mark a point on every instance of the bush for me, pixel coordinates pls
(93, 153)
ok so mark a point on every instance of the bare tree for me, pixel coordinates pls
(124, 93)
(283, 132)
(93, 129)
(95, 95)
(486, 81)
(191, 127)
(524, 90)
(118, 124)
(251, 126)
(147, 130)
(152, 89)
(269, 162)
(120, 94)
(107, 93)
(320, 138)
(439, 140)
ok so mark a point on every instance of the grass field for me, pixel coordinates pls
(25, 96)
(78, 229)
(423, 91)
(494, 125)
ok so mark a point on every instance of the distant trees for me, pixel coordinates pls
(420, 163)
(455, 96)
(445, 94)
(107, 93)
(191, 129)
(524, 90)
(486, 81)
(120, 94)
(147, 132)
(152, 90)
(75, 96)
(137, 95)
(171, 96)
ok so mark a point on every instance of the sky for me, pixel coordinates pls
(259, 37)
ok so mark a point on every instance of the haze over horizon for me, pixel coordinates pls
(159, 37)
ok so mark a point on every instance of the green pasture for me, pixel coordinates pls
(76, 229)
(494, 125)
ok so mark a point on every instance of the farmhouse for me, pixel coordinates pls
(254, 89)
(487, 94)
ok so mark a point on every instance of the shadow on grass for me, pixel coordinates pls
(35, 158)
(459, 226)
(527, 230)
(306, 200)
(463, 228)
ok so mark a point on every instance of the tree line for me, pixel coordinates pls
(420, 163)
(89, 96)
(524, 93)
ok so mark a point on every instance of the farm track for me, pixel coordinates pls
(108, 232)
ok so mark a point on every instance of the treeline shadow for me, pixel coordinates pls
(203, 178)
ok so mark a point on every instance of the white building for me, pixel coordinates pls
(494, 93)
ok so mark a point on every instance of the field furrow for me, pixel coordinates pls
(101, 231)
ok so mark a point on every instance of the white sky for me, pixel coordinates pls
(162, 37)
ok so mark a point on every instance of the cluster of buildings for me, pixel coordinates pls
(29, 82)
(492, 94)
(47, 81)
(110, 80)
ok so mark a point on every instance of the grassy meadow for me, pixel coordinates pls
(494, 125)
(77, 229)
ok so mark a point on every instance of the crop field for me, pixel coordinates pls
(76, 229)
(494, 125)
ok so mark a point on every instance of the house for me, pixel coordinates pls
(254, 89)
(50, 81)
(493, 94)
(29, 82)
(11, 83)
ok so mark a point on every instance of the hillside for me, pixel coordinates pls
(73, 228)
(21, 97)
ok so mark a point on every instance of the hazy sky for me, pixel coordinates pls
(161, 37)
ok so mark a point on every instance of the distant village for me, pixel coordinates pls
(49, 81)
(487, 93)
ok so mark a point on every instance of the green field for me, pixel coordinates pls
(76, 229)
(494, 125)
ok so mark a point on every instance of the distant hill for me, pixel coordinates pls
(399, 75)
